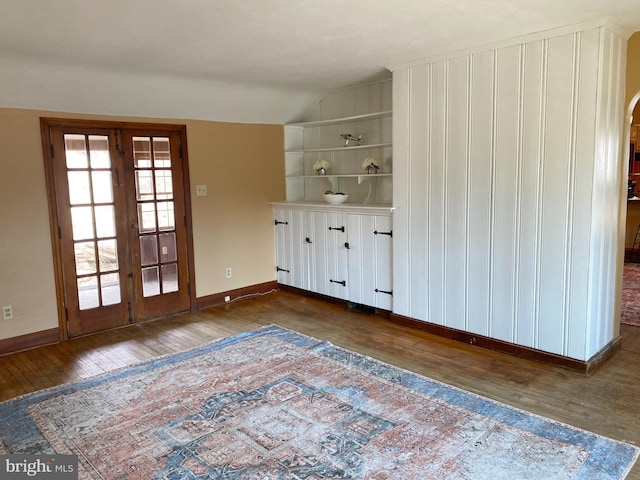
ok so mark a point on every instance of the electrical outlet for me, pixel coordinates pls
(227, 298)
(7, 312)
(227, 272)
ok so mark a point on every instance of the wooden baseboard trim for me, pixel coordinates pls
(236, 294)
(584, 367)
(30, 340)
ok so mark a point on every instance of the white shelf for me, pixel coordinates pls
(305, 142)
(335, 121)
(359, 176)
(342, 149)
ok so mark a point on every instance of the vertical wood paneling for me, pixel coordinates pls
(436, 239)
(506, 194)
(556, 156)
(527, 286)
(586, 81)
(418, 195)
(518, 213)
(607, 182)
(456, 192)
(480, 191)
(402, 186)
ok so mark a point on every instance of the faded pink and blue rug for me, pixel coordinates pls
(274, 404)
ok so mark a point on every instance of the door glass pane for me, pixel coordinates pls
(166, 219)
(168, 247)
(105, 221)
(107, 255)
(144, 184)
(164, 185)
(102, 187)
(170, 278)
(110, 284)
(99, 151)
(88, 292)
(82, 222)
(142, 152)
(85, 255)
(161, 152)
(148, 250)
(79, 189)
(150, 282)
(75, 151)
(147, 217)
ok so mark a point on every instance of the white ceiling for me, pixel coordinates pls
(246, 60)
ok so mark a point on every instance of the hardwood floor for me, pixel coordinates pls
(607, 402)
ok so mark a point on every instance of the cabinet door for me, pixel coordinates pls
(383, 238)
(315, 243)
(369, 260)
(337, 261)
(284, 245)
(299, 251)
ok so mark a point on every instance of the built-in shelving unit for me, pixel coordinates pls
(308, 142)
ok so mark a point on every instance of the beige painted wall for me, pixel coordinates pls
(241, 164)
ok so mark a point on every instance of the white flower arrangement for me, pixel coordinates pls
(371, 162)
(320, 164)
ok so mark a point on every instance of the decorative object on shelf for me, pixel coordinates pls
(348, 137)
(321, 167)
(370, 164)
(335, 198)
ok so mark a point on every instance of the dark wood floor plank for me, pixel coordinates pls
(605, 402)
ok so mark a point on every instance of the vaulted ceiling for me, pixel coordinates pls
(245, 60)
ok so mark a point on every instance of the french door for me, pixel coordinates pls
(118, 203)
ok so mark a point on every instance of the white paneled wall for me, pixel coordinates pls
(356, 100)
(506, 189)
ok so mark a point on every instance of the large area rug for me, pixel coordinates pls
(630, 311)
(274, 404)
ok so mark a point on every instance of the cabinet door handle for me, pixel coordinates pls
(341, 229)
(308, 240)
(343, 282)
(384, 291)
(278, 269)
(346, 245)
(281, 223)
(383, 233)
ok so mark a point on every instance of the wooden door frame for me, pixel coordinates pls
(47, 148)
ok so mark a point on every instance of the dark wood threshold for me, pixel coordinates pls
(30, 340)
(236, 294)
(585, 367)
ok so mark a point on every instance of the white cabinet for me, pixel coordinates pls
(335, 251)
(311, 251)
(370, 260)
(344, 144)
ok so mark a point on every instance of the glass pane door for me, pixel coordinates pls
(120, 216)
(91, 201)
(155, 215)
(159, 237)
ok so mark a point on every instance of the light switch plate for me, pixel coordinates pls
(201, 190)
